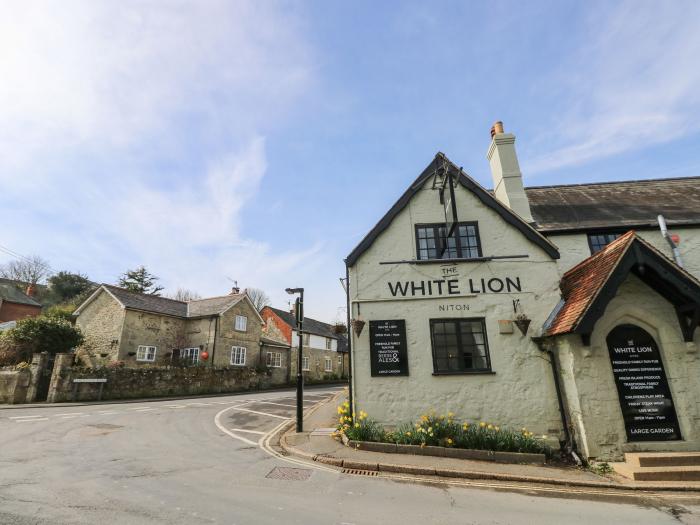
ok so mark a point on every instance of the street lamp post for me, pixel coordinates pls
(299, 311)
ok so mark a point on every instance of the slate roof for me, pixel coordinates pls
(587, 287)
(212, 305)
(147, 302)
(342, 343)
(311, 326)
(10, 293)
(624, 204)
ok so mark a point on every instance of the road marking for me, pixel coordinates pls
(106, 413)
(278, 404)
(74, 416)
(145, 409)
(70, 414)
(176, 406)
(34, 418)
(248, 431)
(200, 404)
(23, 417)
(261, 413)
(136, 408)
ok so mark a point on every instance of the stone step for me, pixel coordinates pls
(663, 459)
(657, 473)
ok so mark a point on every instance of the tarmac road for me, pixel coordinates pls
(169, 462)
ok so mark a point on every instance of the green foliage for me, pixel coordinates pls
(140, 280)
(66, 286)
(603, 468)
(57, 311)
(442, 431)
(38, 334)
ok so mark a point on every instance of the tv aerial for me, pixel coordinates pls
(444, 182)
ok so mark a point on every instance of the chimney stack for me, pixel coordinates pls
(31, 290)
(505, 170)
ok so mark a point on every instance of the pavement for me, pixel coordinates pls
(319, 446)
(215, 460)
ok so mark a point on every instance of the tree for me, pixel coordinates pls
(38, 334)
(66, 286)
(183, 294)
(28, 270)
(140, 280)
(258, 297)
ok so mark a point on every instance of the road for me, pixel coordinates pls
(199, 461)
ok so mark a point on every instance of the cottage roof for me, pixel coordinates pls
(589, 286)
(164, 306)
(311, 326)
(10, 293)
(485, 196)
(622, 204)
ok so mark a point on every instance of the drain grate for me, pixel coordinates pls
(293, 474)
(358, 472)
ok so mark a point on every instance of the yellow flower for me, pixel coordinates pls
(450, 415)
(424, 418)
(490, 426)
(353, 414)
(442, 417)
(357, 425)
(465, 426)
(341, 410)
(408, 434)
(524, 429)
(346, 404)
(430, 429)
(449, 441)
(544, 436)
(482, 424)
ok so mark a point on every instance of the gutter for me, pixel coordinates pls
(347, 309)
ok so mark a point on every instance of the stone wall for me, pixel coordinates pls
(153, 381)
(163, 332)
(101, 324)
(316, 370)
(228, 336)
(13, 385)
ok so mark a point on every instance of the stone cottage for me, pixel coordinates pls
(324, 353)
(141, 329)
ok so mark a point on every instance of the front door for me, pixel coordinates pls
(642, 386)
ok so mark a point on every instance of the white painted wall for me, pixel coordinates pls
(317, 341)
(521, 391)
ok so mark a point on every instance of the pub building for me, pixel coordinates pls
(567, 310)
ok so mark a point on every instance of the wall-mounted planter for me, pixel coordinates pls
(455, 453)
(523, 324)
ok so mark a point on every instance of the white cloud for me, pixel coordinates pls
(96, 100)
(633, 84)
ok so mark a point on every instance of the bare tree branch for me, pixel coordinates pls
(30, 270)
(258, 297)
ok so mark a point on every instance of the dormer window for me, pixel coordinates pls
(464, 243)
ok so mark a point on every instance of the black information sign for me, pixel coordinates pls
(387, 348)
(642, 387)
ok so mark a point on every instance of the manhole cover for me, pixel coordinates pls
(294, 474)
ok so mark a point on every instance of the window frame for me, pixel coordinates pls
(328, 365)
(305, 339)
(305, 367)
(184, 355)
(234, 352)
(436, 230)
(458, 332)
(245, 323)
(145, 358)
(273, 360)
(589, 234)
(329, 343)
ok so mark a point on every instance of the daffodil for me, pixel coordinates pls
(482, 424)
(497, 429)
(490, 426)
(357, 425)
(449, 441)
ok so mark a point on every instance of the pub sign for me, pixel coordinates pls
(387, 348)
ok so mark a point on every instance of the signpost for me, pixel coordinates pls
(642, 386)
(387, 347)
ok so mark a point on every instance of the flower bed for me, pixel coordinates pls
(443, 432)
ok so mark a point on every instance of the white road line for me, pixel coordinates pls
(34, 418)
(136, 408)
(145, 409)
(200, 404)
(261, 413)
(69, 414)
(107, 413)
(248, 431)
(23, 417)
(176, 406)
(278, 404)
(73, 417)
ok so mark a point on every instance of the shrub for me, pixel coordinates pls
(359, 428)
(38, 334)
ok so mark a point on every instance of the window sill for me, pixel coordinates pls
(466, 373)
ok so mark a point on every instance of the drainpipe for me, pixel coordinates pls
(669, 239)
(570, 445)
(347, 298)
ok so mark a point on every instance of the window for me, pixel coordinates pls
(329, 365)
(340, 360)
(146, 353)
(598, 241)
(238, 355)
(459, 345)
(190, 355)
(274, 359)
(464, 243)
(305, 338)
(304, 362)
(329, 343)
(241, 323)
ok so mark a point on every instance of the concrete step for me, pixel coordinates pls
(684, 473)
(663, 459)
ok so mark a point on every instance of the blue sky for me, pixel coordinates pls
(259, 141)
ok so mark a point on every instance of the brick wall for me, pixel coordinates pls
(15, 312)
(271, 317)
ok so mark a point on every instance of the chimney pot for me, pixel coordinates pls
(31, 290)
(235, 290)
(497, 128)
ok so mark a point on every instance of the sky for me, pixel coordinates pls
(258, 142)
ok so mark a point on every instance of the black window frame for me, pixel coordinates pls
(458, 332)
(439, 243)
(607, 233)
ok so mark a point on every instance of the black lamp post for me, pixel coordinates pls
(299, 311)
